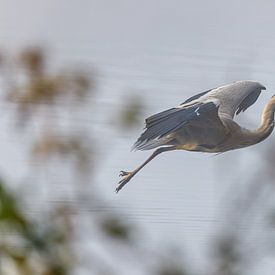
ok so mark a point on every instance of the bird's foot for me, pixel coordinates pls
(126, 176)
(123, 173)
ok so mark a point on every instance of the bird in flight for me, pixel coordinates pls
(205, 123)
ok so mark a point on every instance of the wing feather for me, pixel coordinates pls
(161, 125)
(248, 101)
(196, 96)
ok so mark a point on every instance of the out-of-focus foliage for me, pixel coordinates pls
(171, 269)
(130, 113)
(44, 244)
(9, 210)
(172, 263)
(228, 256)
(115, 228)
(77, 149)
(28, 247)
(34, 61)
(35, 85)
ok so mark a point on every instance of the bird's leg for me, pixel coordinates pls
(128, 175)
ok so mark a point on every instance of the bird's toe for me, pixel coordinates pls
(123, 173)
(126, 177)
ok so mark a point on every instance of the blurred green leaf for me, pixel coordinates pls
(115, 228)
(131, 112)
(9, 211)
(171, 270)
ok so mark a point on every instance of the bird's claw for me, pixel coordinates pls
(123, 173)
(126, 177)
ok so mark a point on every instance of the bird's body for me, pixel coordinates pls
(205, 123)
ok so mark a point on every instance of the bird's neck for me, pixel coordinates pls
(267, 123)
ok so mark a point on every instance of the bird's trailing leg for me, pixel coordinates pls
(126, 176)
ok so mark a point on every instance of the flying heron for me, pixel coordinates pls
(204, 123)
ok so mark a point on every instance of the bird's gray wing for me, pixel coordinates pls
(196, 97)
(236, 97)
(159, 127)
(249, 100)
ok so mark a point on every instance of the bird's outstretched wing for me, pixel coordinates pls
(159, 127)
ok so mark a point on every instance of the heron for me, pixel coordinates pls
(205, 123)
